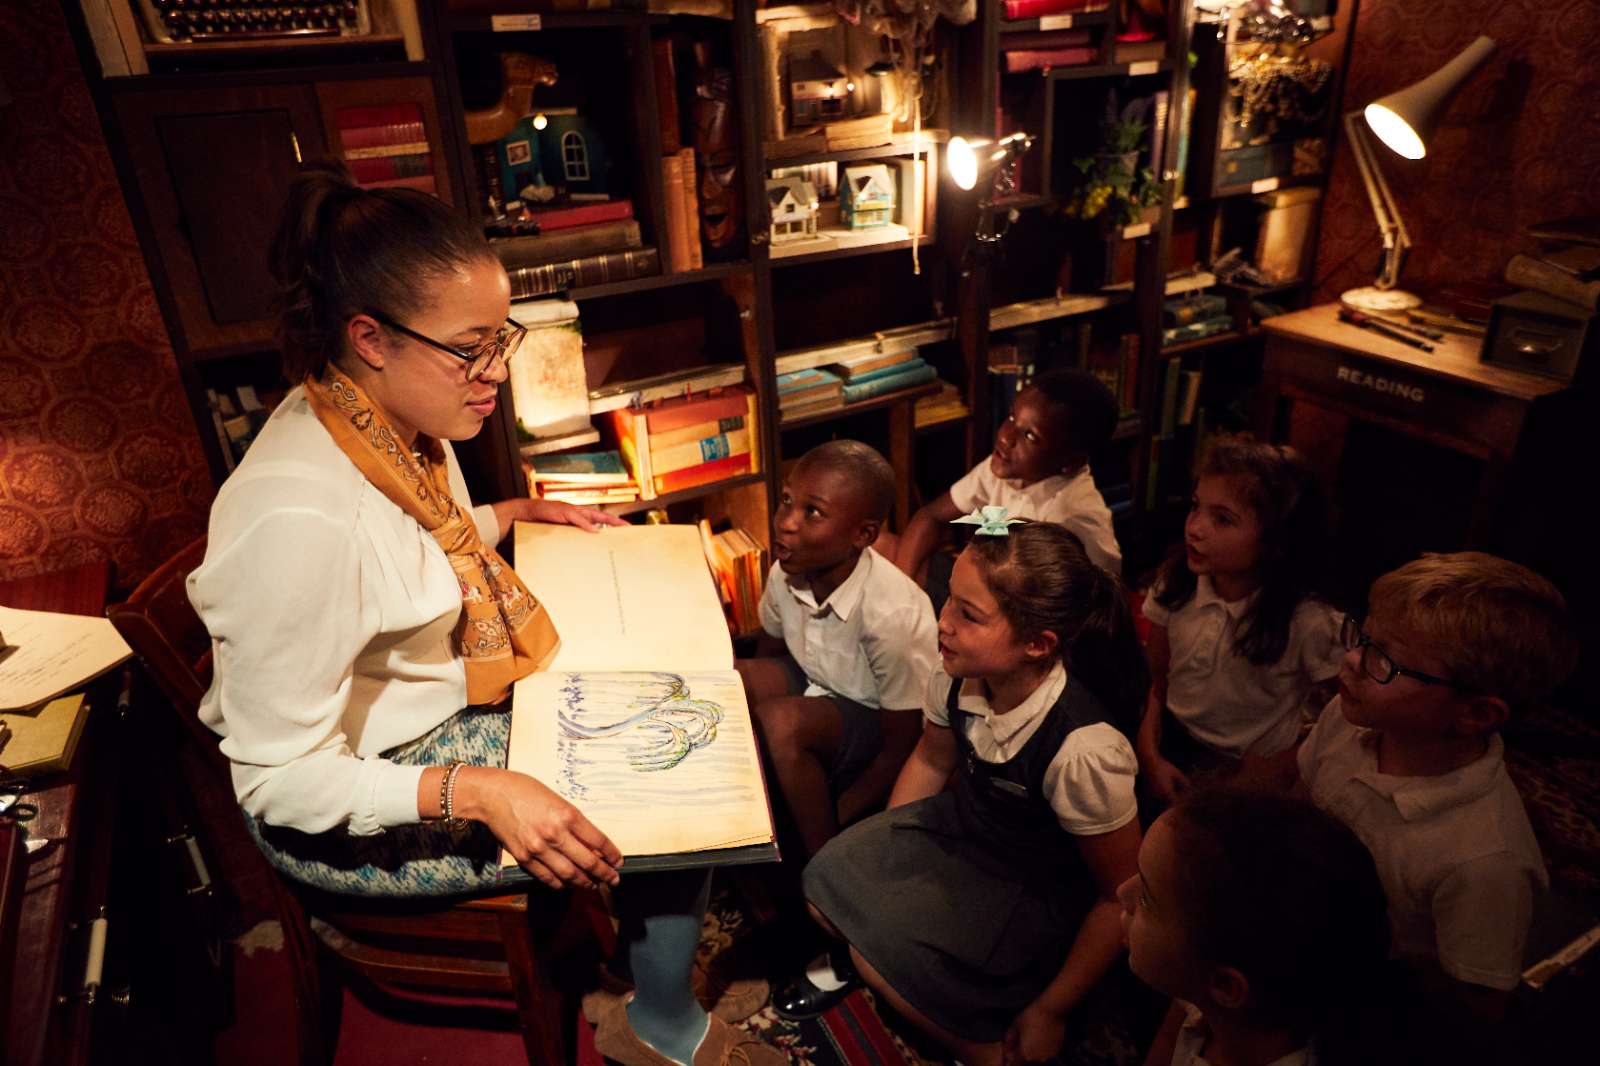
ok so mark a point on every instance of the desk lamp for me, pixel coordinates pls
(1404, 121)
(984, 162)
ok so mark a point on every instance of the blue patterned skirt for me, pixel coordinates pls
(407, 861)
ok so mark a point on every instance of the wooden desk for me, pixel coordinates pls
(67, 881)
(1446, 397)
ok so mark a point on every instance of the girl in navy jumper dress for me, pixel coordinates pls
(985, 912)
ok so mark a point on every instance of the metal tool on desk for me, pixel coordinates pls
(1356, 318)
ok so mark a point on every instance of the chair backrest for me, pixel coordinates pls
(163, 629)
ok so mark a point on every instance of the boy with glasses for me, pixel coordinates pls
(1409, 755)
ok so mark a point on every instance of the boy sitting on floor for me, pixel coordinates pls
(1039, 470)
(839, 713)
(1409, 755)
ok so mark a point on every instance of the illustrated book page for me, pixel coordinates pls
(639, 721)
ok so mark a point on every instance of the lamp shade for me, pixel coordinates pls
(1405, 120)
(970, 161)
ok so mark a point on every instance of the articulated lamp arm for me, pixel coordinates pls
(1396, 242)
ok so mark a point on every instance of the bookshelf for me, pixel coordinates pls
(1065, 292)
(258, 111)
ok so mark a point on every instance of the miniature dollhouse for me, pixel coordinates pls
(572, 153)
(867, 196)
(792, 203)
(818, 91)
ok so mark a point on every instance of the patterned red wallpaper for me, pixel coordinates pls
(99, 457)
(1521, 143)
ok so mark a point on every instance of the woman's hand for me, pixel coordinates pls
(587, 519)
(549, 837)
(1036, 1036)
(1166, 780)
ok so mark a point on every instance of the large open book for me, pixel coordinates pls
(640, 720)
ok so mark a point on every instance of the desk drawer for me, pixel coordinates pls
(1473, 421)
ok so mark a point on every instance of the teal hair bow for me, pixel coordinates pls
(991, 521)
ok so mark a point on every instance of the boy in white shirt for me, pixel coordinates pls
(1039, 470)
(1409, 756)
(837, 702)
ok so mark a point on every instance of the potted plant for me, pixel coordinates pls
(1111, 187)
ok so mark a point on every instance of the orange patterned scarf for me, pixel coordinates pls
(505, 633)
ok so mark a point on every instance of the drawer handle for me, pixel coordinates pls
(94, 965)
(1528, 342)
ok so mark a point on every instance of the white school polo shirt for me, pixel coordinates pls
(331, 613)
(1089, 782)
(873, 640)
(1225, 701)
(1194, 1032)
(1073, 502)
(1455, 852)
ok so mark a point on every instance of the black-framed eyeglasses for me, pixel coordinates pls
(1376, 663)
(478, 358)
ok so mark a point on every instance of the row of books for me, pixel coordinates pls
(1118, 369)
(386, 146)
(850, 380)
(738, 567)
(679, 189)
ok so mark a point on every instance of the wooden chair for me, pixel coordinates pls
(432, 951)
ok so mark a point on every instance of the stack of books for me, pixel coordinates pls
(803, 392)
(851, 379)
(866, 376)
(588, 478)
(386, 146)
(689, 441)
(1194, 315)
(946, 405)
(738, 566)
(577, 245)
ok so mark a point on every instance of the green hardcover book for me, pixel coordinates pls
(581, 468)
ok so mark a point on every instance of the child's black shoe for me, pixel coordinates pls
(826, 983)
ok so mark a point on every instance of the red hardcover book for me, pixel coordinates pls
(700, 407)
(1055, 57)
(666, 71)
(582, 214)
(704, 474)
(1038, 42)
(377, 136)
(351, 118)
(1017, 10)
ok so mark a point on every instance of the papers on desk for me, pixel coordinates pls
(47, 654)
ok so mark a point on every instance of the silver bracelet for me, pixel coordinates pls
(447, 793)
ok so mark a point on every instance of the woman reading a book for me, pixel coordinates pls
(366, 633)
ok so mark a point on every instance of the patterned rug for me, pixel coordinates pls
(1553, 757)
(863, 1032)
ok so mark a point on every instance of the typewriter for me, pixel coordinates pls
(183, 21)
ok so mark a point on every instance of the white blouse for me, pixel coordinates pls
(1088, 782)
(331, 615)
(1074, 502)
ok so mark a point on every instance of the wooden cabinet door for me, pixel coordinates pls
(213, 167)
